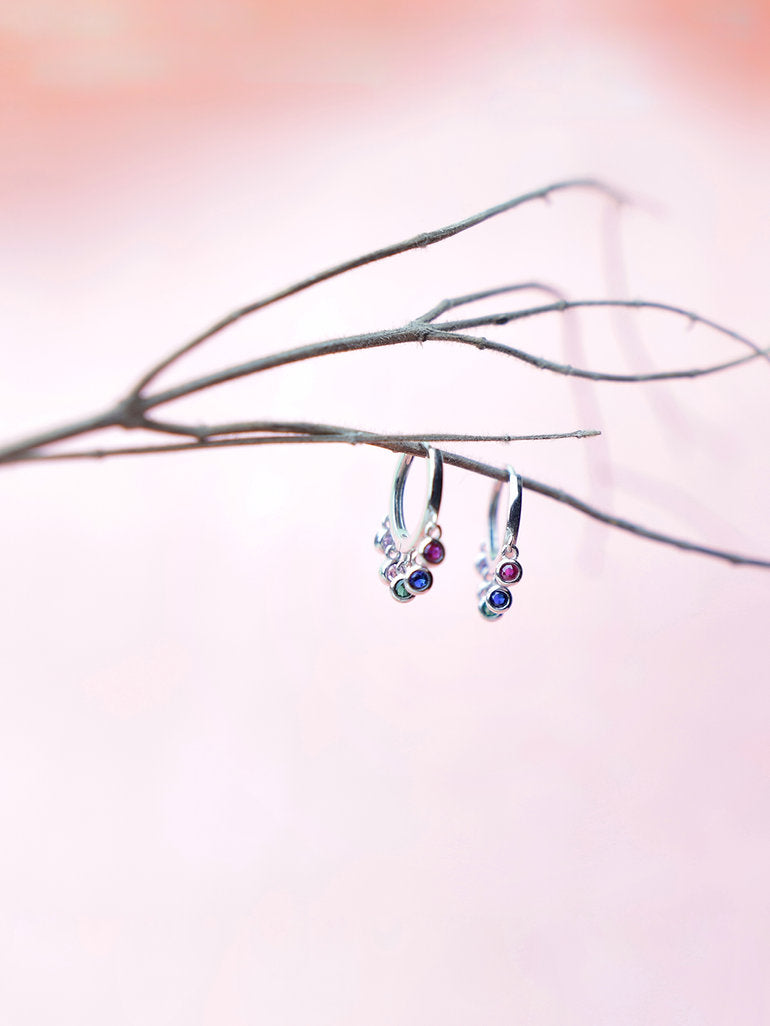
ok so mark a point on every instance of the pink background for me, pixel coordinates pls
(240, 785)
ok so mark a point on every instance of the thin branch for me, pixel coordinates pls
(350, 344)
(202, 432)
(641, 532)
(576, 372)
(586, 404)
(276, 427)
(60, 434)
(133, 414)
(415, 448)
(475, 297)
(420, 241)
(578, 304)
(294, 436)
(447, 333)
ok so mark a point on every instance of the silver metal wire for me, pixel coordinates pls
(403, 539)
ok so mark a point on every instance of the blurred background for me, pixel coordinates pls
(238, 783)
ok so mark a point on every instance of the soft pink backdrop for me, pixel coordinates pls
(238, 784)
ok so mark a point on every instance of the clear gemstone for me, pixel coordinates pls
(391, 571)
(384, 540)
(482, 565)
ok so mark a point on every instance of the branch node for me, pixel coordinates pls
(130, 413)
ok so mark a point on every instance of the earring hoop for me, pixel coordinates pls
(435, 464)
(498, 563)
(408, 557)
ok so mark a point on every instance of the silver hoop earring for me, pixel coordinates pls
(409, 557)
(498, 563)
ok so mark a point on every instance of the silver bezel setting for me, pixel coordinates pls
(484, 609)
(401, 598)
(503, 562)
(411, 588)
(433, 535)
(488, 594)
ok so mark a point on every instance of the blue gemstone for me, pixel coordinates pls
(499, 599)
(420, 580)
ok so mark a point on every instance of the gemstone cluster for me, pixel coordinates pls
(408, 574)
(495, 596)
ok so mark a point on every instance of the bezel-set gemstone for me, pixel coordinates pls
(400, 592)
(482, 565)
(383, 540)
(498, 599)
(390, 571)
(487, 613)
(419, 581)
(509, 572)
(433, 552)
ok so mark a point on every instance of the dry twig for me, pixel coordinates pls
(133, 411)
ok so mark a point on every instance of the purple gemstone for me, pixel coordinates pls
(433, 552)
(384, 540)
(509, 572)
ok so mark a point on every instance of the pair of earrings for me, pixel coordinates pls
(410, 558)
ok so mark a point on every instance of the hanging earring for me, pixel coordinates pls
(498, 563)
(409, 557)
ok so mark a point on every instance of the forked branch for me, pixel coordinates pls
(133, 412)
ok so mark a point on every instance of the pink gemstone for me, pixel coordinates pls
(509, 572)
(433, 552)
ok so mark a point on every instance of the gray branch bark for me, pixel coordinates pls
(133, 411)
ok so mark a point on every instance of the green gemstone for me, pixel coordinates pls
(487, 613)
(401, 591)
